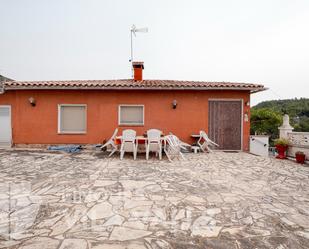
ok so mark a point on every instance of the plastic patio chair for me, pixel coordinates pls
(172, 147)
(204, 142)
(185, 146)
(111, 142)
(154, 143)
(128, 143)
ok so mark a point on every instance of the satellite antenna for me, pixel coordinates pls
(133, 31)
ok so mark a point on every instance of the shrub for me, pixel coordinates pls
(282, 142)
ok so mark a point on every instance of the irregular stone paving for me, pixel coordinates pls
(218, 200)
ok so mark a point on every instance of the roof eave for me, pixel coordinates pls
(252, 90)
(259, 90)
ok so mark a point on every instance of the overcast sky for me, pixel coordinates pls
(264, 41)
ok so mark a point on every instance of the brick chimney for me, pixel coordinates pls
(138, 67)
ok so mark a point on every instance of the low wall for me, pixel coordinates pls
(259, 145)
(299, 142)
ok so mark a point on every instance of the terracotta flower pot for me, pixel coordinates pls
(300, 158)
(281, 149)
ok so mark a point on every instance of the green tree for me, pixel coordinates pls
(265, 121)
(297, 109)
(302, 124)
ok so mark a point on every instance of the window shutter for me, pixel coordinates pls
(131, 115)
(73, 119)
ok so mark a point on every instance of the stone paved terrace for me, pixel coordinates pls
(219, 200)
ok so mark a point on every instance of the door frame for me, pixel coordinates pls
(10, 120)
(242, 117)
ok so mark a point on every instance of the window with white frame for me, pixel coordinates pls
(131, 115)
(72, 118)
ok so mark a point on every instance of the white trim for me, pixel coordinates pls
(130, 124)
(242, 117)
(59, 116)
(10, 119)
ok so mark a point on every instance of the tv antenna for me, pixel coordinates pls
(133, 31)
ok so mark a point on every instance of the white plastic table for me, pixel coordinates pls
(195, 149)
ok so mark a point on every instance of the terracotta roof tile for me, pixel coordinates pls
(127, 84)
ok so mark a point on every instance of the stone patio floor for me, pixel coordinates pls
(86, 200)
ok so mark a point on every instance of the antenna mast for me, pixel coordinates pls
(133, 31)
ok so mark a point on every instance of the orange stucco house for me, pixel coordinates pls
(87, 112)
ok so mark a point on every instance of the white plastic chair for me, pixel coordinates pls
(154, 143)
(183, 145)
(111, 142)
(204, 142)
(128, 143)
(172, 147)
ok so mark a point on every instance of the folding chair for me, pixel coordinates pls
(172, 147)
(111, 142)
(204, 142)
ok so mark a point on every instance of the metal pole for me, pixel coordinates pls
(131, 55)
(9, 228)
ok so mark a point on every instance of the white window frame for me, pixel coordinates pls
(130, 124)
(59, 119)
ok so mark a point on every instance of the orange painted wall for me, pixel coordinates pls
(38, 125)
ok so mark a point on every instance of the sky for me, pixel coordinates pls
(265, 41)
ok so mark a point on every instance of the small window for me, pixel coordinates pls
(72, 119)
(131, 115)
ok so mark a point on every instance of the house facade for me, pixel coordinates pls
(87, 112)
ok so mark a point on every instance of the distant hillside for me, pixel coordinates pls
(297, 109)
(2, 78)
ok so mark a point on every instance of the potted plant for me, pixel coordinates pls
(281, 146)
(300, 157)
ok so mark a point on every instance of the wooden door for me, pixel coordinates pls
(225, 123)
